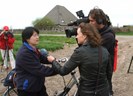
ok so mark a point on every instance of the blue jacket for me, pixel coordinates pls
(30, 71)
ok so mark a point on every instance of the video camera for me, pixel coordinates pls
(71, 32)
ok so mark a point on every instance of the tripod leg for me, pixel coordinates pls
(11, 57)
(4, 58)
(3, 53)
(1, 65)
(130, 65)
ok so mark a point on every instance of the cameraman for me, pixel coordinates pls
(6, 45)
(101, 21)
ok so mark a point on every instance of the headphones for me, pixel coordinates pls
(99, 15)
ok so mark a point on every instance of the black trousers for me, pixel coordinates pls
(42, 92)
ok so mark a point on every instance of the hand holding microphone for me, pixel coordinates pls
(44, 52)
(51, 58)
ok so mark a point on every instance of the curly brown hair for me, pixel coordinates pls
(93, 36)
(99, 16)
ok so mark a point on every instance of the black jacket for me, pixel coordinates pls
(30, 72)
(108, 37)
(86, 59)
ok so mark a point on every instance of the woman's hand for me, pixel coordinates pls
(50, 58)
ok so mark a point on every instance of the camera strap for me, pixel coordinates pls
(99, 63)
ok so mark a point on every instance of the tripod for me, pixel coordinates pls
(5, 54)
(128, 71)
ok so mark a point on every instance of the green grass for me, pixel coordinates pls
(124, 33)
(50, 43)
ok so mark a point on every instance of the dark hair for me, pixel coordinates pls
(99, 16)
(93, 36)
(28, 32)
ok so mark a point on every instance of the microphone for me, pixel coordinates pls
(44, 52)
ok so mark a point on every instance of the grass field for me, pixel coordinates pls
(124, 33)
(50, 43)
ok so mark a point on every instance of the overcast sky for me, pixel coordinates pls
(21, 13)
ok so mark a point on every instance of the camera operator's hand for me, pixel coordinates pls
(2, 32)
(51, 58)
(5, 37)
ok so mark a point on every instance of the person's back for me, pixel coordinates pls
(89, 67)
(89, 57)
(102, 22)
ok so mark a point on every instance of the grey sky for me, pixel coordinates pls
(21, 13)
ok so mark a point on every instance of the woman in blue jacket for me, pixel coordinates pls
(31, 73)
